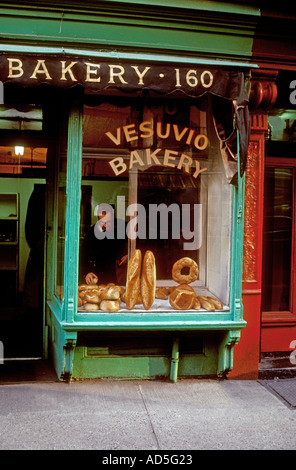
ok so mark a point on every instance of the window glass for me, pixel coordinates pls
(60, 214)
(157, 165)
(277, 239)
(60, 241)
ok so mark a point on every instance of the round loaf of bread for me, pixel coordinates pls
(111, 293)
(91, 307)
(110, 305)
(185, 264)
(87, 287)
(92, 297)
(182, 297)
(162, 293)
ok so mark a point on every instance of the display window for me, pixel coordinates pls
(154, 192)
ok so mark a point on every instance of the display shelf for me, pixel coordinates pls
(8, 231)
(160, 305)
(9, 206)
(9, 241)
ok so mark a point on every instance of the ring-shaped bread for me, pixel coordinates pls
(185, 278)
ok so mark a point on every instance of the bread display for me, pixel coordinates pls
(133, 279)
(93, 297)
(148, 280)
(141, 290)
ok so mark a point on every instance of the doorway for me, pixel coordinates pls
(279, 256)
(22, 229)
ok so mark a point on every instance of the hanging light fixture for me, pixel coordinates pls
(19, 150)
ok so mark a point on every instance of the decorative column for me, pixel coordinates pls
(247, 353)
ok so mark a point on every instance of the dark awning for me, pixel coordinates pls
(99, 76)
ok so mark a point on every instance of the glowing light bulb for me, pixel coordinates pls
(19, 150)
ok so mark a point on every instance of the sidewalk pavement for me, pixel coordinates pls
(195, 414)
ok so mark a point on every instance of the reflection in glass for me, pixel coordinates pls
(277, 239)
(61, 224)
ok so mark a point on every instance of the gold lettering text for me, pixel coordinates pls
(15, 68)
(41, 68)
(92, 73)
(67, 69)
(118, 74)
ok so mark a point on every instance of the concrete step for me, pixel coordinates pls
(278, 365)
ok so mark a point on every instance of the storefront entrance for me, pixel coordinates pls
(28, 150)
(278, 282)
(22, 228)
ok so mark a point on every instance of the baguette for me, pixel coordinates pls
(196, 304)
(218, 305)
(206, 303)
(148, 280)
(133, 279)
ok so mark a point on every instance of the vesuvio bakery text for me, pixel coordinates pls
(171, 158)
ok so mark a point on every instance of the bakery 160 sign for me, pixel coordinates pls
(80, 71)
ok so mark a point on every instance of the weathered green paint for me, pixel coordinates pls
(174, 360)
(146, 366)
(225, 352)
(62, 345)
(237, 247)
(195, 31)
(132, 367)
(74, 164)
(62, 342)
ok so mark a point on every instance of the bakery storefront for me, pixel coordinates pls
(135, 172)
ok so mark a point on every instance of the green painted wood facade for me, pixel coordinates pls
(194, 32)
